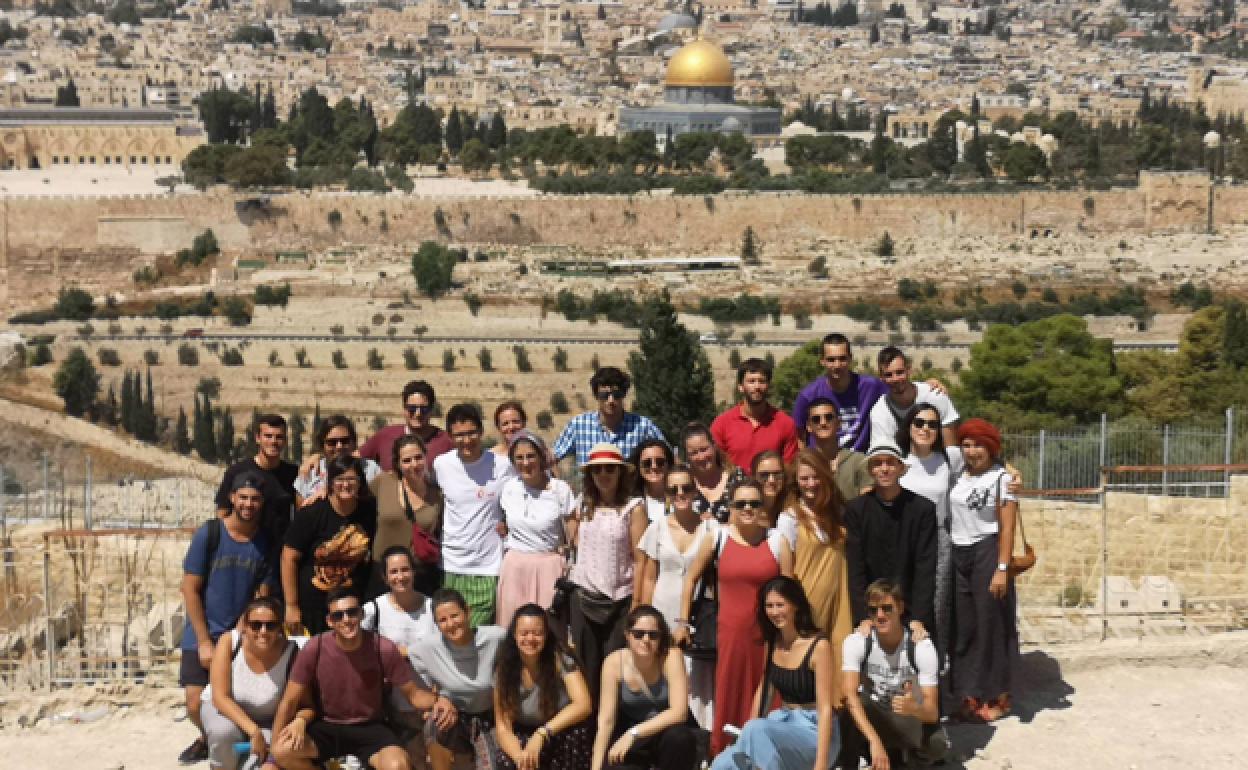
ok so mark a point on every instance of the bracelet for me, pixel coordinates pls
(545, 730)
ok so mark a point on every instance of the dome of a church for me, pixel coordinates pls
(699, 64)
(674, 21)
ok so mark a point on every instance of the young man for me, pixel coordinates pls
(890, 411)
(897, 713)
(890, 534)
(334, 702)
(418, 403)
(823, 422)
(470, 479)
(754, 425)
(227, 564)
(853, 394)
(277, 474)
(610, 424)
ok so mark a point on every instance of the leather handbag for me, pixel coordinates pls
(704, 616)
(1018, 563)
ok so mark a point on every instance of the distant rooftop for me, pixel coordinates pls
(13, 117)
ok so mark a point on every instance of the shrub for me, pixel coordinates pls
(411, 361)
(151, 358)
(108, 357)
(448, 360)
(188, 355)
(301, 358)
(375, 360)
(734, 358)
(231, 357)
(336, 330)
(884, 247)
(485, 359)
(559, 403)
(545, 421)
(41, 355)
(334, 218)
(378, 319)
(473, 302)
(560, 359)
(273, 295)
(274, 359)
(522, 358)
(340, 360)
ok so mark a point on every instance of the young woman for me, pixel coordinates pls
(536, 511)
(768, 471)
(813, 527)
(643, 719)
(541, 702)
(406, 501)
(336, 438)
(248, 674)
(328, 545)
(510, 420)
(459, 663)
(712, 474)
(802, 732)
(652, 458)
(610, 525)
(669, 548)
(983, 512)
(747, 557)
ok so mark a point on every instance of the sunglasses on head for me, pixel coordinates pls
(641, 633)
(823, 419)
(650, 463)
(350, 612)
(744, 505)
(418, 408)
(887, 609)
(344, 441)
(919, 422)
(263, 625)
(680, 489)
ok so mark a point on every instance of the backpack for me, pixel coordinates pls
(909, 644)
(216, 530)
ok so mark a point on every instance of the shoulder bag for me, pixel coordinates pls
(704, 616)
(1018, 563)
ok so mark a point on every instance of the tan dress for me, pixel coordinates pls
(394, 528)
(821, 569)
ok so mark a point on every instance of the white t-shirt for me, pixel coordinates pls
(408, 630)
(973, 504)
(656, 508)
(470, 543)
(883, 673)
(932, 476)
(535, 518)
(884, 421)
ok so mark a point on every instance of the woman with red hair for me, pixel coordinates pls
(983, 514)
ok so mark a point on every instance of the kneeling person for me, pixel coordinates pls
(334, 702)
(898, 711)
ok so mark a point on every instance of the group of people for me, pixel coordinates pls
(769, 591)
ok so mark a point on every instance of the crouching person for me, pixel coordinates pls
(897, 712)
(334, 704)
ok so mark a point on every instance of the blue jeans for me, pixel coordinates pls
(787, 739)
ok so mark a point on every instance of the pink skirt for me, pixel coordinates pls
(526, 577)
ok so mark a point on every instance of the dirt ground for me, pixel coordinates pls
(1156, 704)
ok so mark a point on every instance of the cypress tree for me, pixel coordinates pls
(127, 404)
(316, 420)
(672, 374)
(454, 132)
(182, 441)
(205, 440)
(225, 437)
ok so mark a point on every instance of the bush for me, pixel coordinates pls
(146, 276)
(275, 360)
(188, 355)
(236, 311)
(334, 218)
(522, 358)
(378, 319)
(560, 359)
(411, 360)
(151, 358)
(375, 360)
(884, 247)
(448, 360)
(273, 295)
(41, 355)
(559, 403)
(336, 330)
(231, 357)
(73, 305)
(485, 359)
(545, 421)
(301, 358)
(340, 360)
(473, 302)
(108, 357)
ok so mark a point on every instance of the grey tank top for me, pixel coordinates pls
(637, 707)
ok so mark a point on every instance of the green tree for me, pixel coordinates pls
(411, 360)
(181, 434)
(794, 372)
(674, 381)
(560, 360)
(339, 359)
(1235, 336)
(73, 304)
(77, 383)
(1024, 162)
(236, 310)
(67, 95)
(885, 247)
(749, 246)
(225, 437)
(433, 265)
(486, 359)
(523, 364)
(448, 360)
(375, 359)
(454, 132)
(262, 166)
(297, 430)
(475, 156)
(205, 165)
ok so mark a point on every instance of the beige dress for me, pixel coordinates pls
(819, 565)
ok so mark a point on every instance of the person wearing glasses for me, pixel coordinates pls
(813, 525)
(668, 549)
(228, 561)
(652, 458)
(409, 510)
(853, 394)
(747, 555)
(329, 545)
(459, 663)
(472, 480)
(537, 511)
(336, 438)
(249, 672)
(890, 412)
(607, 530)
(711, 475)
(769, 473)
(418, 405)
(541, 701)
(891, 687)
(334, 702)
(848, 466)
(609, 424)
(802, 732)
(643, 717)
(754, 425)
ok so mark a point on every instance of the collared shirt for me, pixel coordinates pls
(586, 429)
(854, 406)
(743, 439)
(380, 446)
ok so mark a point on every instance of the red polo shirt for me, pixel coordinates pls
(741, 439)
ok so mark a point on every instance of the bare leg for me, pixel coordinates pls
(390, 758)
(193, 694)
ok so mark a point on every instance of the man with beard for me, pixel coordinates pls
(754, 425)
(277, 475)
(890, 411)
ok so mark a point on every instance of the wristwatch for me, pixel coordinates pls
(1003, 567)
(633, 731)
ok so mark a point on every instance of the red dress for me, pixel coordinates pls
(739, 664)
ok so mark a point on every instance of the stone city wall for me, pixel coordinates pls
(45, 242)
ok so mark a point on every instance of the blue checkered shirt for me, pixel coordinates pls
(586, 429)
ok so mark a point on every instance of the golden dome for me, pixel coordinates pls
(699, 64)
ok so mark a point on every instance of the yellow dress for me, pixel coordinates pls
(821, 569)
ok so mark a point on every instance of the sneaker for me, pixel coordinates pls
(195, 753)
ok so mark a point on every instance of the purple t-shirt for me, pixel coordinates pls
(854, 406)
(380, 447)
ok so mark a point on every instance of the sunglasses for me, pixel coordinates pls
(680, 489)
(263, 625)
(418, 408)
(346, 482)
(464, 435)
(346, 441)
(887, 609)
(639, 634)
(920, 423)
(823, 419)
(606, 395)
(770, 475)
(651, 463)
(350, 612)
(745, 505)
